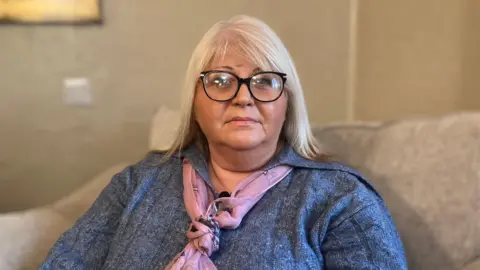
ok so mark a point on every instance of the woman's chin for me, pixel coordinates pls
(245, 142)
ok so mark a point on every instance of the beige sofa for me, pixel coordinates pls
(428, 171)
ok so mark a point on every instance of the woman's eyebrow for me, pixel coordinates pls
(255, 70)
(225, 67)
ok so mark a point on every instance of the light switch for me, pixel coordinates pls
(77, 92)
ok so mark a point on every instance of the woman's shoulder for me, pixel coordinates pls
(335, 172)
(339, 188)
(158, 158)
(337, 180)
(151, 166)
(327, 177)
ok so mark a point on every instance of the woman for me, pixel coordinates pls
(244, 186)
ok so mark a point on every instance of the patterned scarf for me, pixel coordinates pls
(208, 219)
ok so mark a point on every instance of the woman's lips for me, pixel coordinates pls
(242, 122)
(239, 118)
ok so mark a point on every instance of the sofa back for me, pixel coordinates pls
(428, 171)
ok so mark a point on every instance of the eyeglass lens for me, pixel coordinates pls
(223, 85)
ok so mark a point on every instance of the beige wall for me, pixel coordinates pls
(471, 56)
(388, 60)
(409, 59)
(136, 62)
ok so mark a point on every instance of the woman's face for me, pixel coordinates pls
(242, 123)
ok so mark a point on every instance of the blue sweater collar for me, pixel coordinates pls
(286, 156)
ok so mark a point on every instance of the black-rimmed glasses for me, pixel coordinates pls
(222, 85)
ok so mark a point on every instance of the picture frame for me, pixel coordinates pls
(68, 12)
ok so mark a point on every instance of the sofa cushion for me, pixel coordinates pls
(27, 236)
(163, 129)
(428, 171)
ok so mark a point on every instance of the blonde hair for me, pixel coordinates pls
(257, 42)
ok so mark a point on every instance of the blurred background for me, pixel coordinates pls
(359, 60)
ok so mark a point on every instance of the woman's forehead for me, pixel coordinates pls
(234, 60)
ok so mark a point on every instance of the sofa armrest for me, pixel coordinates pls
(27, 236)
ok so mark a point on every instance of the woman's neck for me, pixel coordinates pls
(229, 166)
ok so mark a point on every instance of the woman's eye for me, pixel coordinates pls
(265, 81)
(262, 82)
(221, 82)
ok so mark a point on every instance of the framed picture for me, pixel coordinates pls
(50, 11)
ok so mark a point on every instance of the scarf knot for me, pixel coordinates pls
(204, 234)
(207, 220)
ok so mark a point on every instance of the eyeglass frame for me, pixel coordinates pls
(241, 81)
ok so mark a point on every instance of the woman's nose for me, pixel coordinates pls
(243, 97)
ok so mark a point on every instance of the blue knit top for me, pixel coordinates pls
(323, 215)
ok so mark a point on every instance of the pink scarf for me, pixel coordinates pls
(207, 219)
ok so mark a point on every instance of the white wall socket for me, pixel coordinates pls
(77, 92)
